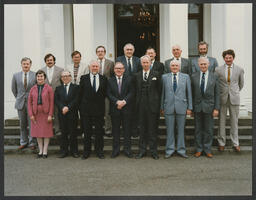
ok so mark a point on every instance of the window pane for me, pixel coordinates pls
(193, 36)
(125, 11)
(193, 8)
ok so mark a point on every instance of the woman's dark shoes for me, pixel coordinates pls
(45, 156)
(39, 155)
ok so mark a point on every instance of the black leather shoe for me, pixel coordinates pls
(183, 155)
(100, 155)
(140, 155)
(113, 155)
(168, 156)
(63, 155)
(85, 156)
(128, 154)
(39, 155)
(155, 156)
(75, 155)
(45, 155)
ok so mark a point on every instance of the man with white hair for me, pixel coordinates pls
(148, 94)
(176, 103)
(184, 63)
(206, 104)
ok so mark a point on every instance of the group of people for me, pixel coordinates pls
(131, 93)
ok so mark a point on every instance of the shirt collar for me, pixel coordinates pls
(121, 77)
(230, 66)
(176, 73)
(174, 58)
(128, 58)
(103, 60)
(206, 73)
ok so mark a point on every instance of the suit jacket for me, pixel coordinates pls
(211, 68)
(18, 90)
(236, 84)
(210, 100)
(154, 90)
(92, 103)
(70, 100)
(136, 66)
(127, 94)
(185, 66)
(55, 77)
(158, 66)
(47, 100)
(82, 70)
(179, 101)
(108, 68)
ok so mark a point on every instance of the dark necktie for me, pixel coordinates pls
(145, 76)
(174, 82)
(129, 66)
(94, 83)
(25, 81)
(202, 83)
(119, 85)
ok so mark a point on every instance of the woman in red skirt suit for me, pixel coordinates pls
(40, 110)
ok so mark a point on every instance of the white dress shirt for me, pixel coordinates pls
(50, 71)
(97, 80)
(143, 74)
(226, 71)
(205, 79)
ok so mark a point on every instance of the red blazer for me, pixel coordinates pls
(47, 99)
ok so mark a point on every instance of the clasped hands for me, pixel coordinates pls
(120, 104)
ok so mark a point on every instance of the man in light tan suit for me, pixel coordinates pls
(77, 69)
(106, 69)
(231, 82)
(53, 74)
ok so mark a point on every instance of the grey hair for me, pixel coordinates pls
(129, 44)
(25, 59)
(174, 61)
(203, 58)
(65, 71)
(145, 56)
(176, 45)
(94, 61)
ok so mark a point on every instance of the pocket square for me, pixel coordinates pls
(154, 78)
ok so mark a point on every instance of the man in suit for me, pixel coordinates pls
(184, 63)
(231, 82)
(176, 102)
(106, 69)
(120, 93)
(78, 68)
(21, 85)
(148, 94)
(66, 100)
(202, 50)
(93, 90)
(132, 66)
(53, 73)
(155, 65)
(206, 105)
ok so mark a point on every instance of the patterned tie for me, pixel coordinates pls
(174, 82)
(202, 83)
(145, 76)
(229, 74)
(129, 66)
(94, 83)
(25, 81)
(119, 85)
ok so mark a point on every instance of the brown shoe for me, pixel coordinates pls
(198, 154)
(221, 148)
(237, 148)
(209, 155)
(22, 147)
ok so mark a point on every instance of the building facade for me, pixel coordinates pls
(35, 30)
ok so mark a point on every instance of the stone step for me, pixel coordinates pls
(54, 150)
(243, 121)
(245, 140)
(189, 130)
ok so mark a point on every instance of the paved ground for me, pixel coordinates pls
(225, 174)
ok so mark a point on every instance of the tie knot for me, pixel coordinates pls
(94, 76)
(174, 74)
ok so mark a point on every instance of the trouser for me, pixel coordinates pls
(107, 116)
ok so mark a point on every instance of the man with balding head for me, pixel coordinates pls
(206, 105)
(176, 102)
(184, 63)
(148, 94)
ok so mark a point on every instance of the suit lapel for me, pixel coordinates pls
(123, 84)
(209, 81)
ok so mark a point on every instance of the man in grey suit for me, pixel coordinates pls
(203, 49)
(231, 81)
(21, 85)
(206, 105)
(106, 69)
(53, 79)
(184, 63)
(176, 102)
(132, 66)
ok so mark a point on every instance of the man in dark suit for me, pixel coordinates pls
(148, 94)
(184, 63)
(206, 105)
(120, 93)
(93, 90)
(132, 66)
(155, 65)
(203, 50)
(66, 100)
